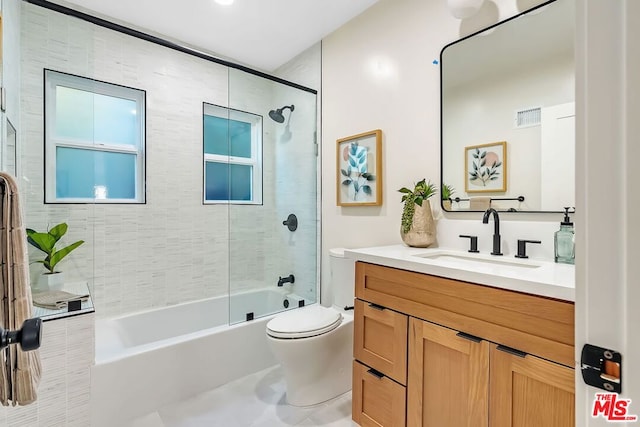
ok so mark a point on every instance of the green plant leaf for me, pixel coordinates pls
(59, 230)
(366, 189)
(418, 201)
(497, 164)
(483, 155)
(483, 162)
(346, 182)
(344, 172)
(43, 241)
(404, 190)
(59, 255)
(30, 239)
(370, 177)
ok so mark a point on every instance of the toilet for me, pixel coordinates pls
(314, 344)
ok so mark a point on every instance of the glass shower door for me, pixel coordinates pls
(273, 226)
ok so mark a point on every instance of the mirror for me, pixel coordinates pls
(507, 114)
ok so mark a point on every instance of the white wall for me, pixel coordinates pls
(607, 251)
(378, 72)
(172, 248)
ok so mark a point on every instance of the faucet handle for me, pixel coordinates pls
(473, 241)
(522, 247)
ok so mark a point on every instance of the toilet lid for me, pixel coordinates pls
(304, 322)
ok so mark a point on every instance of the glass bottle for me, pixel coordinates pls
(564, 241)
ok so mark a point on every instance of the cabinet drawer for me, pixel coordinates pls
(377, 400)
(380, 340)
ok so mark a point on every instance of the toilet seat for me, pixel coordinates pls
(304, 323)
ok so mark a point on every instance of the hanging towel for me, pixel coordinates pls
(479, 203)
(19, 371)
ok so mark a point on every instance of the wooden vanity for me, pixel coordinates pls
(436, 352)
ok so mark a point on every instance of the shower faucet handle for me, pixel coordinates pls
(291, 222)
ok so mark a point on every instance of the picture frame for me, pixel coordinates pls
(485, 168)
(359, 169)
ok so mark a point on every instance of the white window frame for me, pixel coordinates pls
(54, 79)
(256, 153)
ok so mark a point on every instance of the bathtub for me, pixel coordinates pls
(149, 359)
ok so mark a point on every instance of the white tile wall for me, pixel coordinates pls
(172, 249)
(67, 353)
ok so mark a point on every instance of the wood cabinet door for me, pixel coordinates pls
(530, 392)
(377, 400)
(380, 339)
(448, 379)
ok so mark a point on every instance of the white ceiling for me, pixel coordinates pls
(262, 34)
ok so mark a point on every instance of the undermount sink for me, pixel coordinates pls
(470, 259)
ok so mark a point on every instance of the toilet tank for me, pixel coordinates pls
(342, 278)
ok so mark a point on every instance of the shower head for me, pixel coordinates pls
(277, 116)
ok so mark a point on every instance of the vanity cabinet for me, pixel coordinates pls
(459, 342)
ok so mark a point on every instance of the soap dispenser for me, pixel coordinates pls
(564, 240)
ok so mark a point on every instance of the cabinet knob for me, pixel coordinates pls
(468, 337)
(379, 375)
(511, 351)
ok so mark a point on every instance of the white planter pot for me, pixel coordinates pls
(51, 281)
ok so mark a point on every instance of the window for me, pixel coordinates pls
(94, 141)
(232, 146)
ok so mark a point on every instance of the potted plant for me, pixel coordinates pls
(46, 242)
(446, 192)
(418, 227)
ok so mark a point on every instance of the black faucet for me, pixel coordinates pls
(288, 279)
(496, 230)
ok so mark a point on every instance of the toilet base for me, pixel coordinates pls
(316, 369)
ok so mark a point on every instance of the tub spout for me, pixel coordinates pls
(288, 279)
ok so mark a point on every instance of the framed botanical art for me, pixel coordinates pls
(359, 169)
(485, 168)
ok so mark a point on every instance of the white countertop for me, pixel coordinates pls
(533, 276)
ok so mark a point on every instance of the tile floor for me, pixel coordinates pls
(257, 400)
